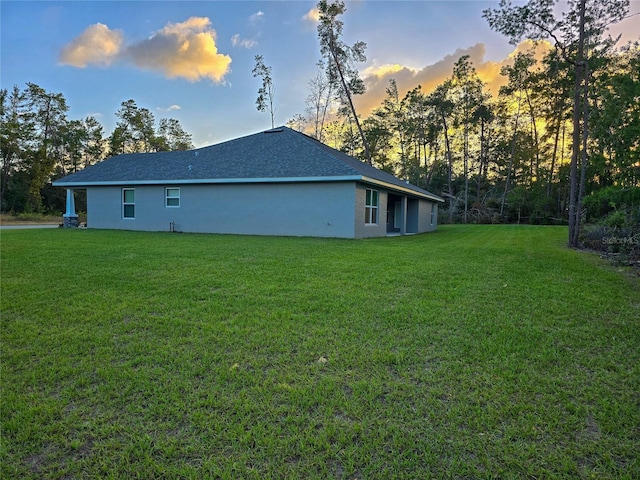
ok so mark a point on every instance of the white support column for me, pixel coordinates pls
(70, 217)
(403, 212)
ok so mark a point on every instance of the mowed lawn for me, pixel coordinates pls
(473, 352)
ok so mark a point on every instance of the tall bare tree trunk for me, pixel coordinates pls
(466, 170)
(513, 156)
(482, 160)
(554, 155)
(450, 172)
(574, 224)
(536, 142)
(347, 92)
(585, 158)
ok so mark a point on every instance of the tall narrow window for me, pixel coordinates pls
(433, 208)
(172, 197)
(371, 207)
(128, 203)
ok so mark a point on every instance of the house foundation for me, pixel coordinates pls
(70, 222)
(70, 218)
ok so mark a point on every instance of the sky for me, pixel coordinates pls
(193, 61)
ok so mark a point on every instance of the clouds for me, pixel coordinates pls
(376, 77)
(170, 108)
(179, 50)
(255, 21)
(385, 70)
(236, 41)
(256, 17)
(97, 45)
(187, 50)
(312, 15)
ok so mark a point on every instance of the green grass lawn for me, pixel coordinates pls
(473, 352)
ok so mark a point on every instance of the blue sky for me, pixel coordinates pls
(192, 60)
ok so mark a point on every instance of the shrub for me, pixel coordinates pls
(616, 219)
(617, 233)
(606, 200)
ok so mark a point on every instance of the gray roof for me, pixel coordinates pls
(277, 155)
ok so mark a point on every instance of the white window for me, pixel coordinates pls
(128, 203)
(371, 207)
(172, 197)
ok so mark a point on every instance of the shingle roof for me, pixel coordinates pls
(280, 154)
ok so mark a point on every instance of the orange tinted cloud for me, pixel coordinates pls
(97, 45)
(377, 78)
(179, 50)
(312, 15)
(187, 50)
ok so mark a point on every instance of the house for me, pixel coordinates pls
(276, 182)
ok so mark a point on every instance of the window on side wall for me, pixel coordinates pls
(433, 207)
(128, 203)
(172, 197)
(371, 207)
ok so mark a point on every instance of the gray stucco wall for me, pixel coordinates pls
(418, 214)
(365, 231)
(424, 216)
(309, 209)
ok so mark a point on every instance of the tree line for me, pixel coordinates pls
(560, 142)
(39, 144)
(503, 157)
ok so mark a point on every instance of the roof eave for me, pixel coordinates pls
(409, 191)
(203, 181)
(220, 181)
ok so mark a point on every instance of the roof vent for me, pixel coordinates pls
(190, 167)
(196, 153)
(275, 130)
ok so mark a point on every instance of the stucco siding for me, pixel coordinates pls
(424, 216)
(104, 208)
(309, 209)
(363, 230)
